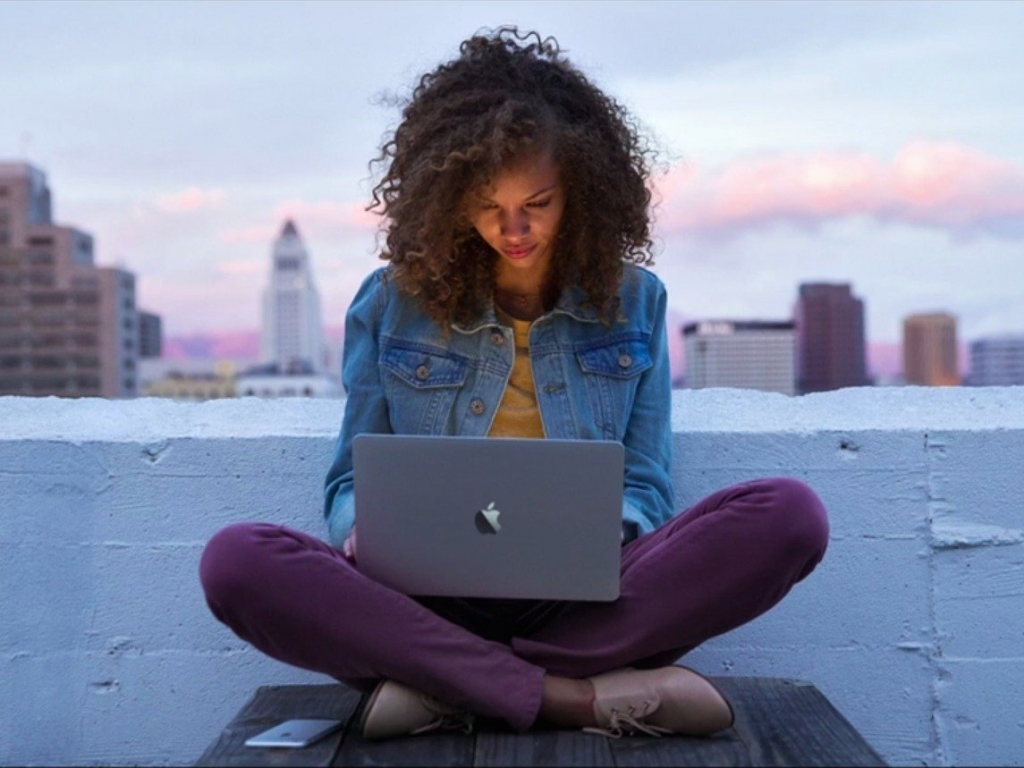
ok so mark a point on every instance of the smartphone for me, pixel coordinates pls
(295, 733)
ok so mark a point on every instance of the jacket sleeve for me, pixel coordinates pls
(648, 501)
(366, 408)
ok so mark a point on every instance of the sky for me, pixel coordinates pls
(875, 143)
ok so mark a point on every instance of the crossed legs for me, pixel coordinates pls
(720, 564)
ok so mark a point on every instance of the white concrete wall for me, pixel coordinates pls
(913, 625)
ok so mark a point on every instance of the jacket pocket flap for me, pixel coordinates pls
(423, 368)
(622, 358)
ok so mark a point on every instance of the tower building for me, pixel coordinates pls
(292, 329)
(830, 351)
(929, 350)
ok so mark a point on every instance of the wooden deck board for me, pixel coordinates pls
(778, 723)
(542, 747)
(723, 749)
(790, 722)
(429, 749)
(269, 706)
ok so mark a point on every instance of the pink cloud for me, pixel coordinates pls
(327, 214)
(943, 185)
(309, 216)
(191, 199)
(257, 234)
(237, 267)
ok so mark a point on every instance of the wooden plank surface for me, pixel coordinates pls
(790, 722)
(779, 722)
(434, 748)
(542, 747)
(268, 707)
(722, 749)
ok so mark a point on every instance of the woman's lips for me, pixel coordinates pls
(519, 251)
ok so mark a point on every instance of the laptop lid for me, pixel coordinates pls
(490, 517)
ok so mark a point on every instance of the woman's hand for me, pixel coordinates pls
(348, 549)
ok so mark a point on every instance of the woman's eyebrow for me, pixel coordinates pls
(486, 197)
(543, 191)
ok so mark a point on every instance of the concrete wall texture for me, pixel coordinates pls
(913, 625)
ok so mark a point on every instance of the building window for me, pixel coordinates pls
(41, 279)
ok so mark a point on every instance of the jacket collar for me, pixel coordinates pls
(572, 302)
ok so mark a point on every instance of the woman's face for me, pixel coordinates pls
(518, 215)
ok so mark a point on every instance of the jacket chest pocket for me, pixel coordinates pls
(420, 384)
(612, 369)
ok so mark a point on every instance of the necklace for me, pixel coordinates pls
(522, 306)
(521, 299)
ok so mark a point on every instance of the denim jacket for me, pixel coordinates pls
(403, 374)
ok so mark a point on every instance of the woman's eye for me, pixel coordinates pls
(540, 203)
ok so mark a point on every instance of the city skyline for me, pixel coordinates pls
(879, 145)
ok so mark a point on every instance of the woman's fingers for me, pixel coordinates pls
(349, 547)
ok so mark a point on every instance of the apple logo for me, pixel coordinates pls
(487, 519)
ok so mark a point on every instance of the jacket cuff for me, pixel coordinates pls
(342, 518)
(633, 523)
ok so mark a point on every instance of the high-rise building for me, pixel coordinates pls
(292, 326)
(830, 352)
(67, 327)
(745, 354)
(929, 350)
(997, 361)
(151, 335)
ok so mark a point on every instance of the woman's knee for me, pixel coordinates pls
(802, 519)
(229, 561)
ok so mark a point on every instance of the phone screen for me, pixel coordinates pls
(295, 733)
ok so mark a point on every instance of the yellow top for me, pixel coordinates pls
(518, 415)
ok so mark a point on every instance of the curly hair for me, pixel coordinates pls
(508, 94)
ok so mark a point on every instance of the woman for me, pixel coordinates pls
(516, 303)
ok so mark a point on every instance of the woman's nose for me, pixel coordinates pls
(515, 224)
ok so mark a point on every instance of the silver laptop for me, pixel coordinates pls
(490, 517)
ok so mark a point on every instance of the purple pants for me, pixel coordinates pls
(720, 564)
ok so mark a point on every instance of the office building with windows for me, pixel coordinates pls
(151, 335)
(67, 327)
(830, 343)
(997, 361)
(930, 350)
(742, 354)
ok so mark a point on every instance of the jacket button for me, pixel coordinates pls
(476, 406)
(498, 338)
(625, 361)
(423, 372)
